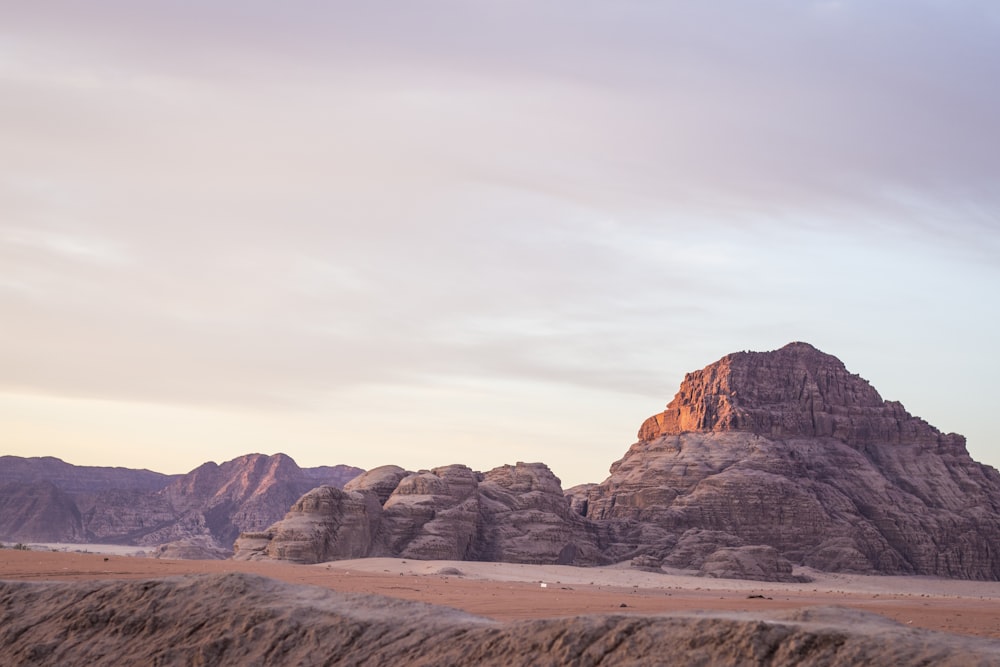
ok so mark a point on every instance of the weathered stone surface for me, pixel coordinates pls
(433, 515)
(696, 545)
(513, 513)
(531, 521)
(794, 392)
(758, 563)
(790, 450)
(192, 548)
(325, 524)
(381, 481)
(578, 497)
(647, 563)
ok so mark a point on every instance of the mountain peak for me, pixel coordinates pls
(794, 391)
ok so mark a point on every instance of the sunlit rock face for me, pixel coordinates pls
(794, 392)
(790, 450)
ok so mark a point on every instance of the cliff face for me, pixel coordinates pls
(513, 513)
(794, 392)
(789, 449)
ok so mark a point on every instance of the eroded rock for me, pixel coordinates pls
(790, 450)
(512, 513)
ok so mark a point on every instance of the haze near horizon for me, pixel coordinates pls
(481, 233)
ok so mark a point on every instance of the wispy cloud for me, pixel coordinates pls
(241, 204)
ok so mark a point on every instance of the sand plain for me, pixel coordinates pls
(505, 591)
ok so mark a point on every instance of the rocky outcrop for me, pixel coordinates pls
(209, 506)
(757, 563)
(788, 449)
(192, 548)
(513, 513)
(240, 619)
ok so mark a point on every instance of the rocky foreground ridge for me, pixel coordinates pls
(762, 461)
(194, 515)
(239, 619)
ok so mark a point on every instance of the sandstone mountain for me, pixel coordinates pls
(790, 450)
(203, 510)
(761, 462)
(513, 513)
(240, 619)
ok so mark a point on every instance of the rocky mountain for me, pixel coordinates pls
(762, 461)
(513, 513)
(790, 450)
(202, 510)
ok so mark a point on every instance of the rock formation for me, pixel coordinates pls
(513, 513)
(762, 461)
(790, 450)
(200, 512)
(240, 619)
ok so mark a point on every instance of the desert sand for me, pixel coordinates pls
(505, 592)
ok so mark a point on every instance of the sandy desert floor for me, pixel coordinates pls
(506, 591)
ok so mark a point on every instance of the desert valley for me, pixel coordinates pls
(778, 511)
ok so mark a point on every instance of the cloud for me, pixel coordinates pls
(230, 203)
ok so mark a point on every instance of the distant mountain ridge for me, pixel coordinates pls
(79, 479)
(48, 500)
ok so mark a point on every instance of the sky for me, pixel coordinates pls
(481, 232)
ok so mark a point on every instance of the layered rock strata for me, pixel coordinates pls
(790, 450)
(513, 513)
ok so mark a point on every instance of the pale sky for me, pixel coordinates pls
(482, 232)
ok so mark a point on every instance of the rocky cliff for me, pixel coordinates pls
(790, 450)
(513, 513)
(761, 462)
(208, 507)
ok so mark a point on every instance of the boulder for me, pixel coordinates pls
(757, 562)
